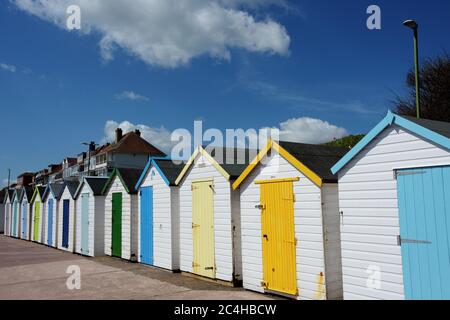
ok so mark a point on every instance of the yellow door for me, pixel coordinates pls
(278, 236)
(203, 228)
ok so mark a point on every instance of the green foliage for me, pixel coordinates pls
(346, 142)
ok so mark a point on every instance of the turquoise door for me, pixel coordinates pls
(50, 223)
(85, 223)
(424, 210)
(15, 218)
(24, 220)
(147, 225)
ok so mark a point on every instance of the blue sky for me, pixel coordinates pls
(57, 88)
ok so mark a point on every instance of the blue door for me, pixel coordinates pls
(85, 223)
(50, 223)
(24, 220)
(65, 231)
(424, 209)
(147, 225)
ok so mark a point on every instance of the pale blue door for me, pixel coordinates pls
(24, 220)
(85, 223)
(147, 225)
(50, 223)
(424, 209)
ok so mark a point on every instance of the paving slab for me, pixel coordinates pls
(33, 271)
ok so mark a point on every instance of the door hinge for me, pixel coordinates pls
(194, 265)
(401, 241)
(195, 225)
(264, 284)
(260, 206)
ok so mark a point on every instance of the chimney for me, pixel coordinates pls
(92, 146)
(119, 135)
(138, 132)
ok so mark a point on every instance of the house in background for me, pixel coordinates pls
(129, 151)
(25, 179)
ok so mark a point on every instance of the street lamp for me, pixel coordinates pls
(414, 26)
(90, 145)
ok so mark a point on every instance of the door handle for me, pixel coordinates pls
(266, 237)
(401, 240)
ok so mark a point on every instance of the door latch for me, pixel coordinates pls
(401, 240)
(260, 206)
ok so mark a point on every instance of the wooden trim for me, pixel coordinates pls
(210, 159)
(286, 155)
(252, 165)
(278, 180)
(300, 166)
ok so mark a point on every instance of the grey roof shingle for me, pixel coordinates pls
(443, 128)
(28, 192)
(170, 169)
(96, 184)
(72, 186)
(317, 158)
(130, 178)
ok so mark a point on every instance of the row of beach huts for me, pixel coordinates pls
(304, 221)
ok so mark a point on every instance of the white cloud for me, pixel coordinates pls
(130, 95)
(8, 67)
(169, 33)
(159, 137)
(303, 130)
(310, 130)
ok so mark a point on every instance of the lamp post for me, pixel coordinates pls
(414, 26)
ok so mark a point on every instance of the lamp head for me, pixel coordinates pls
(411, 24)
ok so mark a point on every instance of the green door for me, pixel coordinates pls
(37, 220)
(117, 225)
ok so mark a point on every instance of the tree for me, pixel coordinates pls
(346, 142)
(434, 91)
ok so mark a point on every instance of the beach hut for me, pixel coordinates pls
(51, 199)
(290, 221)
(66, 216)
(37, 214)
(210, 234)
(27, 195)
(121, 214)
(394, 197)
(158, 220)
(15, 213)
(2, 210)
(8, 209)
(90, 217)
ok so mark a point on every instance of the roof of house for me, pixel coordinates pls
(168, 169)
(230, 162)
(18, 194)
(38, 190)
(314, 161)
(95, 183)
(56, 189)
(128, 177)
(72, 186)
(134, 144)
(437, 132)
(28, 191)
(318, 158)
(440, 127)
